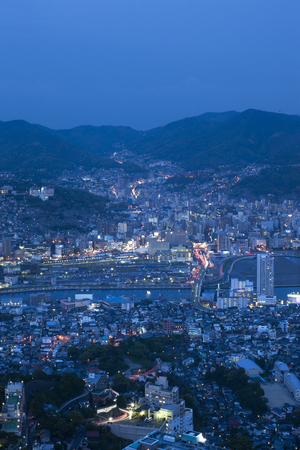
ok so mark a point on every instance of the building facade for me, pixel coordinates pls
(265, 275)
(166, 405)
(292, 384)
(11, 415)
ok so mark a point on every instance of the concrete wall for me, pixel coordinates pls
(132, 432)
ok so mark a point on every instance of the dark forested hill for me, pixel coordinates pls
(104, 140)
(25, 146)
(278, 181)
(238, 139)
(100, 140)
(209, 140)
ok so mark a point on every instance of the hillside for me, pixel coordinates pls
(104, 140)
(238, 139)
(282, 182)
(68, 199)
(99, 140)
(25, 146)
(68, 209)
(209, 140)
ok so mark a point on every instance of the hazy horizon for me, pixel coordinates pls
(148, 129)
(146, 63)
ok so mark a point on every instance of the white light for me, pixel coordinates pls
(201, 438)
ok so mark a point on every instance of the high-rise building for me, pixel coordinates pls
(265, 275)
(165, 403)
(223, 242)
(6, 244)
(241, 289)
(231, 302)
(155, 245)
(176, 237)
(38, 299)
(11, 416)
(168, 325)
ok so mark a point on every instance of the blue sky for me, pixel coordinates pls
(145, 63)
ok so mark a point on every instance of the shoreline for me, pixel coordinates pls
(20, 290)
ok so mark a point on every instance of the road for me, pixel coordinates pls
(132, 366)
(124, 416)
(77, 439)
(66, 405)
(223, 277)
(24, 289)
(196, 290)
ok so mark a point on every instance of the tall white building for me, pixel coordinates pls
(265, 280)
(167, 405)
(242, 289)
(11, 415)
(160, 394)
(265, 275)
(231, 302)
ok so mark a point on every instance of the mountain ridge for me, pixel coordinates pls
(209, 140)
(247, 137)
(25, 146)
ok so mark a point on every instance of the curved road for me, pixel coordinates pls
(115, 419)
(83, 396)
(232, 261)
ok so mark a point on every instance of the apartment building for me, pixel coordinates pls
(292, 384)
(11, 415)
(165, 402)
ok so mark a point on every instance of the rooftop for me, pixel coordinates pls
(247, 364)
(293, 379)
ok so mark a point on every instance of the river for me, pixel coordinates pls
(168, 294)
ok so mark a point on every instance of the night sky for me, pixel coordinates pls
(145, 63)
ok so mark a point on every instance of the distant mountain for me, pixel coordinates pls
(25, 146)
(229, 138)
(209, 140)
(104, 140)
(99, 140)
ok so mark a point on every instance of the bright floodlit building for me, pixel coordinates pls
(165, 402)
(294, 298)
(11, 415)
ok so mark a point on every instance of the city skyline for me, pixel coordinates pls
(149, 225)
